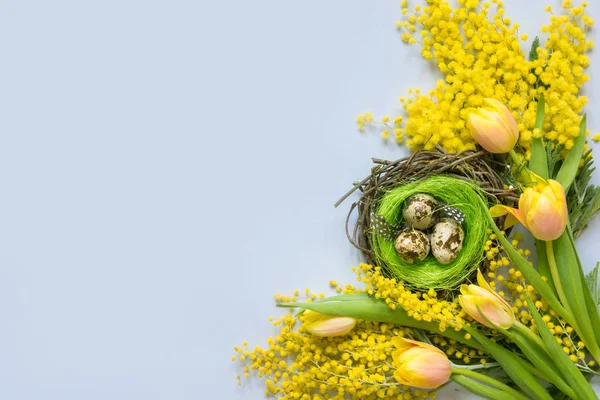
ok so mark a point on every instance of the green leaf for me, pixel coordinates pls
(568, 170)
(538, 161)
(542, 263)
(533, 348)
(565, 261)
(591, 279)
(540, 359)
(479, 378)
(511, 364)
(534, 46)
(480, 389)
(591, 305)
(362, 306)
(571, 373)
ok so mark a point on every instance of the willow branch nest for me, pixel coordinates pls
(479, 168)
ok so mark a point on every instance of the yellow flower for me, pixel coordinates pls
(494, 127)
(327, 326)
(482, 299)
(542, 209)
(420, 365)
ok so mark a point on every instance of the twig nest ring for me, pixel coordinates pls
(412, 246)
(467, 182)
(419, 211)
(447, 241)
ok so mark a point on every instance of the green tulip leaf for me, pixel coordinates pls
(562, 256)
(362, 306)
(571, 373)
(541, 360)
(512, 365)
(484, 385)
(543, 266)
(591, 304)
(533, 348)
(480, 389)
(568, 170)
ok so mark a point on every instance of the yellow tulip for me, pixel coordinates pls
(490, 303)
(326, 325)
(420, 365)
(542, 209)
(494, 127)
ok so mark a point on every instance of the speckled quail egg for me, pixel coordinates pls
(447, 240)
(412, 246)
(419, 211)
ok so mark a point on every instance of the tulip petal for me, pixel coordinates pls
(482, 282)
(464, 289)
(475, 290)
(396, 356)
(468, 305)
(496, 313)
(331, 327)
(492, 309)
(422, 367)
(545, 221)
(403, 344)
(535, 178)
(559, 194)
(512, 218)
(494, 127)
(505, 112)
(557, 188)
(477, 299)
(308, 316)
(489, 132)
(527, 202)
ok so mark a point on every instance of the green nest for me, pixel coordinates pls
(429, 273)
(456, 179)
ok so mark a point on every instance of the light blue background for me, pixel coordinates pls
(167, 166)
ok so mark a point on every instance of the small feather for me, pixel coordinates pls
(381, 227)
(453, 213)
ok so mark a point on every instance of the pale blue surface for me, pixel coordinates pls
(166, 166)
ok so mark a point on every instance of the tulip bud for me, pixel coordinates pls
(327, 326)
(542, 209)
(482, 299)
(420, 365)
(494, 127)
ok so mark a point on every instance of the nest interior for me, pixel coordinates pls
(477, 170)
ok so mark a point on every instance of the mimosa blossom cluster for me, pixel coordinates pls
(479, 50)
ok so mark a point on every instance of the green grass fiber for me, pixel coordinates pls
(429, 273)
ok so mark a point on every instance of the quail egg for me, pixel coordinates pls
(412, 246)
(419, 211)
(447, 240)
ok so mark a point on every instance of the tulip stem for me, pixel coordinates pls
(522, 168)
(490, 381)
